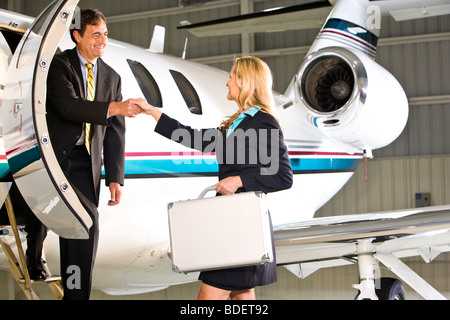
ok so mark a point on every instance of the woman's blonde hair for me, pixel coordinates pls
(256, 83)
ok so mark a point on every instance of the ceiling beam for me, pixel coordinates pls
(402, 40)
(219, 4)
(247, 39)
(428, 100)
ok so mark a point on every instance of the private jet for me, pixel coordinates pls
(330, 113)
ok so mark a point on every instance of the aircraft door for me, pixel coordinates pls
(27, 144)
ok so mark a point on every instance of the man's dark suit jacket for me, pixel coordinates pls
(67, 110)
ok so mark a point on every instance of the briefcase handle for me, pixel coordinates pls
(205, 191)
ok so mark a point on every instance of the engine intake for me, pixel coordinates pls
(328, 84)
(332, 88)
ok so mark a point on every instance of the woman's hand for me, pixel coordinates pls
(229, 185)
(148, 108)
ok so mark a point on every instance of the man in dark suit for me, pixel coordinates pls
(84, 92)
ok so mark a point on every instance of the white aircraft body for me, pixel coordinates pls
(340, 106)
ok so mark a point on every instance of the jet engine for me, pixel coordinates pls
(350, 98)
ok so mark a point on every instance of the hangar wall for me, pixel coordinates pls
(416, 52)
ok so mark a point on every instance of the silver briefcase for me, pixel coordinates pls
(220, 232)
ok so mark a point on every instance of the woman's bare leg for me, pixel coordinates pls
(248, 294)
(208, 292)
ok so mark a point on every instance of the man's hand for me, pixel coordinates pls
(116, 193)
(128, 108)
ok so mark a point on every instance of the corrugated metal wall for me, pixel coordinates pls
(392, 183)
(416, 52)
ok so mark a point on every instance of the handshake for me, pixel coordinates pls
(133, 107)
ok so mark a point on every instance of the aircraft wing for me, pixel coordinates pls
(303, 16)
(387, 236)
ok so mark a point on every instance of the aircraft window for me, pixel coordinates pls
(188, 92)
(147, 83)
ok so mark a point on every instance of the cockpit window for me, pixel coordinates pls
(188, 92)
(147, 83)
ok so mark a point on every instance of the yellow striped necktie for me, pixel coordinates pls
(90, 95)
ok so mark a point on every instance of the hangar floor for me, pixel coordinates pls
(326, 284)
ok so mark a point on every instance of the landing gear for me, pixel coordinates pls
(390, 289)
(368, 265)
(371, 286)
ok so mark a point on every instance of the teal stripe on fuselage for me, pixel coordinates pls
(168, 166)
(208, 166)
(4, 170)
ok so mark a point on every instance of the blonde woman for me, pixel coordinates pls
(252, 156)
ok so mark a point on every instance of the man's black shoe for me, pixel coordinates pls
(37, 272)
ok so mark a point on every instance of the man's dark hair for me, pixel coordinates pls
(86, 17)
